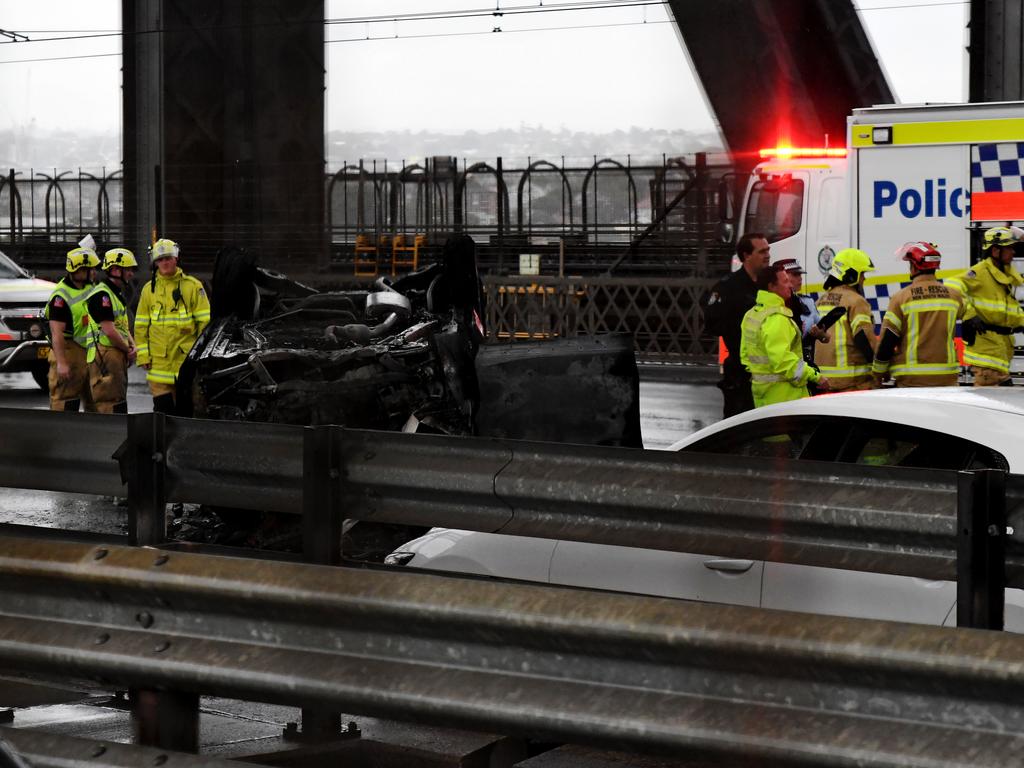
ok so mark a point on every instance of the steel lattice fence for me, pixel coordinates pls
(663, 315)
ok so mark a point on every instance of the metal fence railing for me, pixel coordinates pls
(589, 211)
(664, 315)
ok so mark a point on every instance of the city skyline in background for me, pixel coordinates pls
(578, 79)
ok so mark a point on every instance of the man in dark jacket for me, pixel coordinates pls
(724, 309)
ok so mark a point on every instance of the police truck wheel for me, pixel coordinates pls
(40, 372)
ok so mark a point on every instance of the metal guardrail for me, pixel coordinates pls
(882, 519)
(646, 674)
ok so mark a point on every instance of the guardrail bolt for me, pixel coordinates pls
(161, 560)
(993, 530)
(99, 554)
(145, 618)
(334, 474)
(98, 751)
(101, 638)
(161, 647)
(157, 457)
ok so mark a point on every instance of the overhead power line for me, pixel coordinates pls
(496, 12)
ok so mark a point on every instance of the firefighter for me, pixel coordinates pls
(992, 313)
(173, 310)
(68, 318)
(847, 356)
(111, 346)
(771, 347)
(724, 309)
(916, 347)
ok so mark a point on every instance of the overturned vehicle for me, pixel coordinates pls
(409, 354)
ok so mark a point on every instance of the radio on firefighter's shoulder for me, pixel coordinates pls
(831, 318)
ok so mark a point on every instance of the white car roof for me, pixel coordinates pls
(990, 416)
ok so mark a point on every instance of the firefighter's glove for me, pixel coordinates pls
(969, 329)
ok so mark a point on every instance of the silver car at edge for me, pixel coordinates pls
(23, 344)
(945, 428)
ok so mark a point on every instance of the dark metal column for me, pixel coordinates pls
(795, 67)
(142, 113)
(996, 50)
(226, 97)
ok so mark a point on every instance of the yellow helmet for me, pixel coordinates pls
(849, 264)
(163, 247)
(119, 257)
(1002, 236)
(81, 257)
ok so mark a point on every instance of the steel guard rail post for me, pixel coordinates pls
(733, 684)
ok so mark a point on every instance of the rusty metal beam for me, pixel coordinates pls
(790, 69)
(645, 674)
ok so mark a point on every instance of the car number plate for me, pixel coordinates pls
(42, 352)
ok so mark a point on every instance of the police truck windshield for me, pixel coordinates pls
(776, 208)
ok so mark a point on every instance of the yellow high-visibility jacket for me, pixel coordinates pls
(172, 313)
(771, 350)
(988, 294)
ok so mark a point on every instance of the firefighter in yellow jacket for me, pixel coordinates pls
(916, 347)
(771, 346)
(111, 346)
(173, 310)
(847, 356)
(992, 312)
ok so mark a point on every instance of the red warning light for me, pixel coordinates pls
(793, 152)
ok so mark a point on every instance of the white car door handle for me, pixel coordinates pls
(729, 566)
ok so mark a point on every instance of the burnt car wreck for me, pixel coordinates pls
(407, 355)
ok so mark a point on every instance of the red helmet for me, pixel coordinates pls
(921, 254)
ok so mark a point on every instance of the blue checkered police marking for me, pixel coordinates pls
(997, 167)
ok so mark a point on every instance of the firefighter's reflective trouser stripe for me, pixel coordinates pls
(77, 301)
(74, 391)
(770, 349)
(108, 380)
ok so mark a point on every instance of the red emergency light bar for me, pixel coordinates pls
(791, 152)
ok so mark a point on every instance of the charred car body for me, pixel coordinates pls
(407, 355)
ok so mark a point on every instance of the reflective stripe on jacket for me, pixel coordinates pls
(988, 294)
(924, 316)
(96, 334)
(839, 359)
(77, 300)
(172, 313)
(771, 350)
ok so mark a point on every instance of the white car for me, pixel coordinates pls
(944, 428)
(23, 344)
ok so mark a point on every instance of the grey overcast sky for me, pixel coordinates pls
(591, 70)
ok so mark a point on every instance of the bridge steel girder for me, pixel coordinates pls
(996, 51)
(224, 127)
(788, 69)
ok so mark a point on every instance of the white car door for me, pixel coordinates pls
(878, 595)
(652, 572)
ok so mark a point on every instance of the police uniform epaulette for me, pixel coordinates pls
(193, 279)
